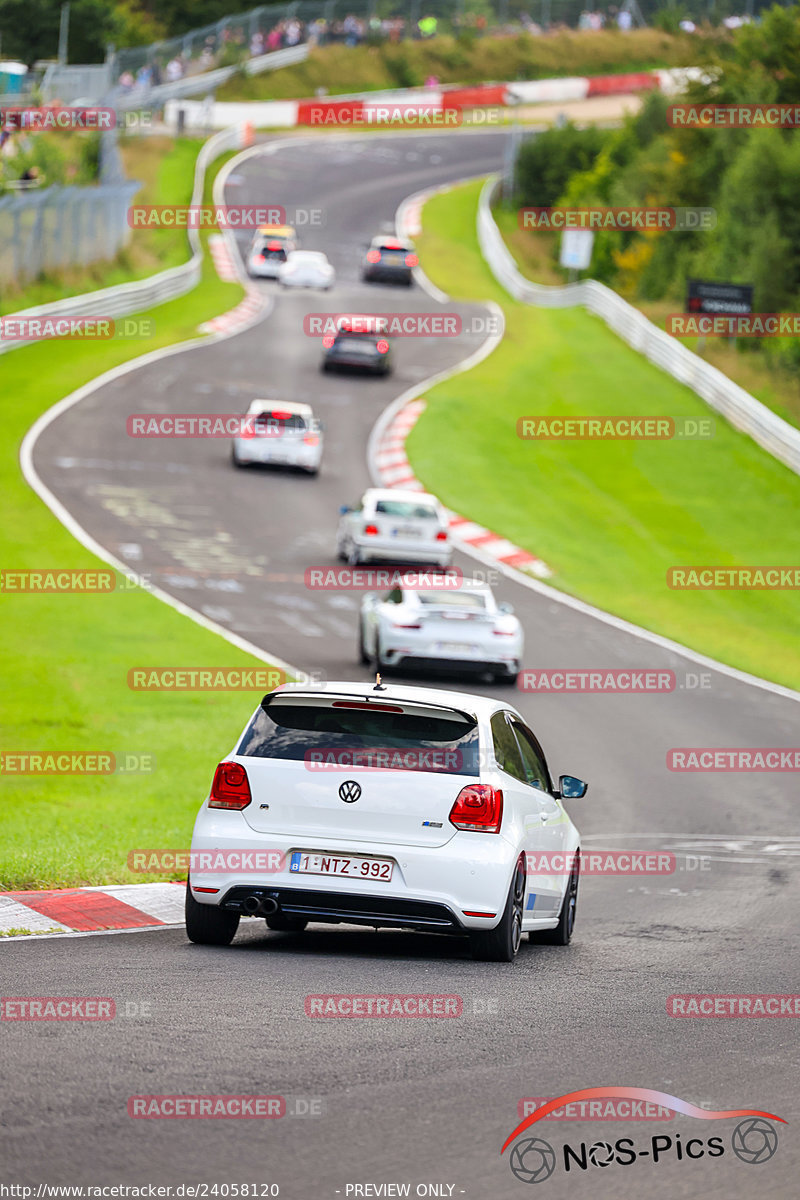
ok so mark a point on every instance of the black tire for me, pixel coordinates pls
(353, 556)
(508, 677)
(237, 462)
(502, 943)
(562, 934)
(283, 924)
(362, 649)
(207, 925)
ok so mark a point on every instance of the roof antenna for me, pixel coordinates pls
(379, 687)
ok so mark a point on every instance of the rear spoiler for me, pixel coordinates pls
(291, 690)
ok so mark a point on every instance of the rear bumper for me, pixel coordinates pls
(432, 886)
(268, 452)
(430, 662)
(377, 550)
(375, 366)
(351, 908)
(389, 274)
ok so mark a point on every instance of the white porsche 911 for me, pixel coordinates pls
(389, 525)
(459, 627)
(282, 433)
(390, 806)
(306, 268)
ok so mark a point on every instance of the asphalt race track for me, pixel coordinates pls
(418, 1102)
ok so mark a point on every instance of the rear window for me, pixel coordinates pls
(276, 423)
(453, 599)
(318, 733)
(407, 509)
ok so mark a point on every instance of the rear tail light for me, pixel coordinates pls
(230, 788)
(411, 260)
(311, 439)
(371, 530)
(396, 626)
(374, 256)
(383, 347)
(504, 633)
(479, 807)
(441, 535)
(247, 431)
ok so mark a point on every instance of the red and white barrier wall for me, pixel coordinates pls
(426, 107)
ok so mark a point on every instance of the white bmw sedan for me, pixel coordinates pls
(458, 627)
(283, 434)
(363, 804)
(306, 268)
(388, 525)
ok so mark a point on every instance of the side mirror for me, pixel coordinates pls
(571, 788)
(344, 508)
(505, 608)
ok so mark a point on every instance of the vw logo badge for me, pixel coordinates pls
(349, 791)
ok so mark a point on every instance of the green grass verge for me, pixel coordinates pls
(66, 657)
(775, 387)
(609, 518)
(343, 69)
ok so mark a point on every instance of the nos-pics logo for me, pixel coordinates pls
(533, 1160)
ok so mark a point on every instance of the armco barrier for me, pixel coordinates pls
(285, 114)
(738, 407)
(134, 297)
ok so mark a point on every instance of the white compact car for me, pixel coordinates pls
(269, 249)
(279, 434)
(370, 805)
(388, 525)
(307, 269)
(459, 627)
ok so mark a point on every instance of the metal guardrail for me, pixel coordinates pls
(742, 410)
(142, 294)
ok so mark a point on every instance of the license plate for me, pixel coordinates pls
(455, 648)
(406, 531)
(393, 260)
(348, 865)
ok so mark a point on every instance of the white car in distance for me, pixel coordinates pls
(306, 269)
(389, 525)
(284, 433)
(389, 806)
(462, 627)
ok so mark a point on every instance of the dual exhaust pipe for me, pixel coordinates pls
(259, 906)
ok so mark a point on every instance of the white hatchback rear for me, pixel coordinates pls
(279, 434)
(371, 805)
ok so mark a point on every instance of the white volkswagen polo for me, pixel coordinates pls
(457, 627)
(371, 805)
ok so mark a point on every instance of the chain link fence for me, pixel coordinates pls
(51, 229)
